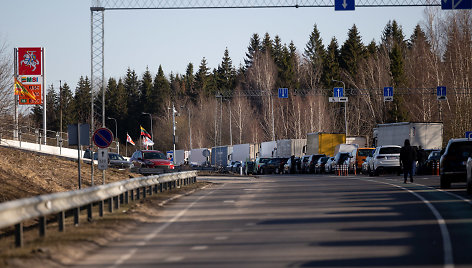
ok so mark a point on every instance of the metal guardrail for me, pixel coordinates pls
(17, 211)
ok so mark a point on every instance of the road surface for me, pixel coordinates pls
(303, 221)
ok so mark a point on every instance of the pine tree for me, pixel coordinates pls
(82, 101)
(189, 81)
(226, 75)
(255, 46)
(146, 91)
(352, 52)
(52, 114)
(331, 69)
(162, 91)
(66, 100)
(267, 44)
(202, 78)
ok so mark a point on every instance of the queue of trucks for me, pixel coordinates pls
(421, 135)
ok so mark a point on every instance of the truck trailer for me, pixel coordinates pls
(244, 152)
(221, 155)
(422, 135)
(268, 149)
(323, 143)
(289, 147)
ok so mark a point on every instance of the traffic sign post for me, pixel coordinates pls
(388, 93)
(102, 159)
(345, 5)
(283, 93)
(102, 137)
(338, 92)
(441, 93)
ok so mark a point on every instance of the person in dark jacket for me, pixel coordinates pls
(407, 160)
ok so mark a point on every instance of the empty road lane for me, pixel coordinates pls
(302, 221)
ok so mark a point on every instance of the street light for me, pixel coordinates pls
(150, 116)
(345, 104)
(189, 126)
(173, 131)
(116, 133)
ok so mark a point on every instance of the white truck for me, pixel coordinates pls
(289, 147)
(180, 157)
(197, 156)
(359, 140)
(244, 152)
(268, 149)
(422, 135)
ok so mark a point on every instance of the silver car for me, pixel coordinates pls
(385, 157)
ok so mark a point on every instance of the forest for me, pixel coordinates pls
(239, 104)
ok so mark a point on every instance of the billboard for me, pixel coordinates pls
(30, 75)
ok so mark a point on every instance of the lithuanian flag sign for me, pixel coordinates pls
(144, 132)
(20, 89)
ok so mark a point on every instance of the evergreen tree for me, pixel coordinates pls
(202, 78)
(352, 52)
(66, 100)
(255, 46)
(82, 101)
(314, 50)
(331, 69)
(52, 114)
(226, 75)
(267, 44)
(189, 80)
(131, 86)
(162, 91)
(146, 91)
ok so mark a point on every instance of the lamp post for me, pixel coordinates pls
(173, 131)
(189, 126)
(116, 133)
(345, 105)
(152, 137)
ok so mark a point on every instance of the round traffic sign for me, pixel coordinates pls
(102, 137)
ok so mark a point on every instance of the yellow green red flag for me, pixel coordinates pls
(21, 89)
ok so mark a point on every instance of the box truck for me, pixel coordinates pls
(289, 147)
(198, 157)
(323, 143)
(221, 155)
(359, 140)
(268, 149)
(244, 152)
(422, 135)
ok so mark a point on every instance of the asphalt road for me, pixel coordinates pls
(304, 221)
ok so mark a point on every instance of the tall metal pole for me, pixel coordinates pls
(190, 128)
(92, 80)
(173, 123)
(230, 129)
(60, 107)
(273, 120)
(116, 132)
(44, 98)
(345, 105)
(15, 74)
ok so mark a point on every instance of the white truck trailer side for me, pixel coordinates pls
(424, 135)
(289, 147)
(268, 149)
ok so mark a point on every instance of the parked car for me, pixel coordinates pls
(320, 165)
(469, 175)
(361, 155)
(329, 165)
(234, 166)
(385, 158)
(260, 162)
(274, 165)
(452, 166)
(431, 161)
(310, 166)
(249, 167)
(150, 159)
(114, 160)
(290, 167)
(303, 163)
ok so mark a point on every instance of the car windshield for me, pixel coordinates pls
(434, 155)
(343, 156)
(365, 152)
(389, 150)
(264, 160)
(461, 149)
(323, 159)
(115, 157)
(153, 155)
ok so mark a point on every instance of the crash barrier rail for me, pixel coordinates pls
(15, 213)
(341, 170)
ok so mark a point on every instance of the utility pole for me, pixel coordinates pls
(345, 105)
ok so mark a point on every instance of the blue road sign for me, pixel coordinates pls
(388, 91)
(468, 134)
(338, 92)
(456, 4)
(341, 5)
(283, 93)
(102, 137)
(441, 91)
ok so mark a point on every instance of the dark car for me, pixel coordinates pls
(310, 166)
(430, 164)
(114, 160)
(260, 162)
(320, 165)
(274, 165)
(249, 167)
(150, 159)
(452, 166)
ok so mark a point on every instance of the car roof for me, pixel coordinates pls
(383, 146)
(460, 140)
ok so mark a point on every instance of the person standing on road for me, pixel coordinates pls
(407, 160)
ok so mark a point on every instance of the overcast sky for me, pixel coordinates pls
(173, 38)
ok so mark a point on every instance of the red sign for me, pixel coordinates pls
(29, 61)
(36, 90)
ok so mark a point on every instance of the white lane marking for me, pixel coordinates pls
(203, 247)
(221, 238)
(173, 259)
(447, 245)
(132, 251)
(228, 201)
(250, 224)
(449, 193)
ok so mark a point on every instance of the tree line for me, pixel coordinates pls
(438, 53)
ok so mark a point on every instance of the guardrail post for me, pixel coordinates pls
(19, 235)
(61, 219)
(150, 190)
(42, 226)
(117, 202)
(144, 192)
(122, 198)
(161, 187)
(137, 193)
(110, 204)
(155, 189)
(89, 212)
(101, 204)
(76, 216)
(127, 197)
(132, 194)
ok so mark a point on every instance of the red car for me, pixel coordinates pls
(150, 159)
